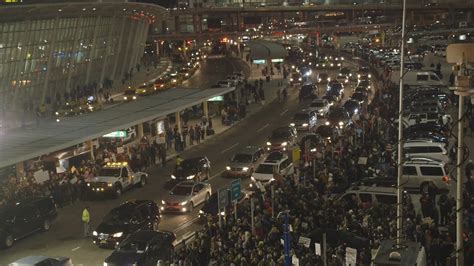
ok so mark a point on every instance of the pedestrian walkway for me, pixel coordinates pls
(14, 119)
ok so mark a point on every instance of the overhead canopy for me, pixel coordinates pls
(21, 144)
(264, 50)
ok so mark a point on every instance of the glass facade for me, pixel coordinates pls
(41, 61)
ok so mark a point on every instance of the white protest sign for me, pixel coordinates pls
(304, 241)
(317, 249)
(351, 256)
(41, 176)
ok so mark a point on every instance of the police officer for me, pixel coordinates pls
(86, 221)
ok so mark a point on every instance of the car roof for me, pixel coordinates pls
(147, 235)
(31, 260)
(372, 189)
(416, 143)
(248, 150)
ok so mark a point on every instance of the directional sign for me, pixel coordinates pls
(116, 134)
(235, 190)
(223, 198)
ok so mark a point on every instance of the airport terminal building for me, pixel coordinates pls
(48, 50)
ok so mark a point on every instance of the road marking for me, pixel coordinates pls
(262, 128)
(185, 224)
(230, 148)
(76, 248)
(284, 112)
(216, 175)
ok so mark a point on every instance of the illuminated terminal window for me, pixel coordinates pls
(11, 1)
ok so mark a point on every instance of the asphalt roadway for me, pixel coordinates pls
(65, 238)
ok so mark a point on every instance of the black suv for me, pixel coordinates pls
(144, 248)
(25, 217)
(198, 169)
(124, 220)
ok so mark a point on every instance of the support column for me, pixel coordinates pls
(94, 45)
(178, 121)
(126, 56)
(140, 131)
(25, 40)
(108, 51)
(205, 108)
(72, 62)
(20, 169)
(118, 51)
(91, 147)
(139, 45)
(53, 36)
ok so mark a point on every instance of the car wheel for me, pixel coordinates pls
(207, 197)
(143, 181)
(46, 225)
(8, 242)
(191, 207)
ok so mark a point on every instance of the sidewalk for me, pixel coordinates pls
(270, 91)
(15, 119)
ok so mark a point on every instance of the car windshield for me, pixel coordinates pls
(301, 116)
(317, 104)
(242, 158)
(280, 134)
(265, 169)
(187, 164)
(115, 172)
(335, 86)
(133, 246)
(115, 217)
(181, 190)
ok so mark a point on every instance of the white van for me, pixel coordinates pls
(370, 195)
(426, 149)
(420, 172)
(265, 171)
(422, 78)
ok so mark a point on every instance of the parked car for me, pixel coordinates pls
(244, 162)
(197, 168)
(282, 138)
(144, 248)
(185, 196)
(320, 106)
(25, 217)
(42, 261)
(130, 217)
(264, 173)
(304, 120)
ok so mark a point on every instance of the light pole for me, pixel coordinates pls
(400, 135)
(461, 54)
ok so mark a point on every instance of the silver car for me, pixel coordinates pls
(244, 162)
(185, 196)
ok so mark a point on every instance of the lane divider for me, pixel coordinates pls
(229, 148)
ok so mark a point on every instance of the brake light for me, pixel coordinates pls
(446, 179)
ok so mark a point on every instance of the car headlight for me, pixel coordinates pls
(227, 168)
(341, 123)
(319, 79)
(269, 143)
(134, 97)
(201, 212)
(284, 144)
(292, 124)
(245, 169)
(291, 79)
(125, 98)
(358, 76)
(342, 58)
(88, 184)
(350, 74)
(321, 110)
(370, 76)
(187, 75)
(119, 234)
(95, 233)
(332, 65)
(190, 177)
(305, 124)
(252, 178)
(183, 203)
(327, 123)
(317, 65)
(173, 177)
(299, 79)
(356, 111)
(329, 79)
(109, 184)
(163, 202)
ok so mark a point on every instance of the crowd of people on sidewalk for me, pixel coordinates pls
(309, 196)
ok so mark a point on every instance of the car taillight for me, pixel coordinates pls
(446, 179)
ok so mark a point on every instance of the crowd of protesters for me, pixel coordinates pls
(310, 197)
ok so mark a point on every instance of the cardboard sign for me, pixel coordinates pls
(41, 176)
(351, 256)
(317, 249)
(304, 241)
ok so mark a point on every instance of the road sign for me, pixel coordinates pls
(116, 134)
(223, 198)
(235, 190)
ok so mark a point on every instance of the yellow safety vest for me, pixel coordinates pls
(85, 216)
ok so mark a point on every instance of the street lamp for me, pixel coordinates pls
(460, 54)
